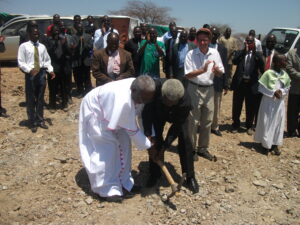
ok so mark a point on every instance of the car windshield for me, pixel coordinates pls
(285, 39)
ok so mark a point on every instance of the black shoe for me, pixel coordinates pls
(192, 185)
(114, 198)
(136, 189)
(151, 182)
(205, 154)
(234, 130)
(265, 151)
(292, 134)
(3, 113)
(33, 127)
(275, 150)
(217, 132)
(128, 194)
(43, 125)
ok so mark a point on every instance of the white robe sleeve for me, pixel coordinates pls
(265, 91)
(284, 91)
(140, 141)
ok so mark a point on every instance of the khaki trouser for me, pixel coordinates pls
(217, 108)
(201, 115)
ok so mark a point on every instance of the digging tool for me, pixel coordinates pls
(174, 187)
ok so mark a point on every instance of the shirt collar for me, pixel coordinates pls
(35, 44)
(199, 52)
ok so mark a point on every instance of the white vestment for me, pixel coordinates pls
(107, 122)
(271, 116)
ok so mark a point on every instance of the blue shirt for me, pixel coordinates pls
(182, 51)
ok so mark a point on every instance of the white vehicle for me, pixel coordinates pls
(287, 39)
(11, 31)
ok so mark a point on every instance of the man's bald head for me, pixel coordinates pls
(215, 34)
(113, 42)
(271, 41)
(142, 89)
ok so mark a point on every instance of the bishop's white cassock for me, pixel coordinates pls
(107, 125)
(271, 116)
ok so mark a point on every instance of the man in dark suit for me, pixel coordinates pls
(179, 52)
(111, 63)
(220, 82)
(168, 67)
(171, 104)
(269, 50)
(81, 56)
(133, 46)
(245, 84)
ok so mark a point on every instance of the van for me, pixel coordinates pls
(11, 30)
(287, 39)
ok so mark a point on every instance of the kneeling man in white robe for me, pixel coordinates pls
(107, 125)
(274, 84)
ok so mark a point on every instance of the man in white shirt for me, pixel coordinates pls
(34, 61)
(201, 65)
(100, 37)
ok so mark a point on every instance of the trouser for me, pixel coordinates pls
(293, 121)
(68, 78)
(229, 72)
(56, 84)
(35, 90)
(201, 115)
(244, 92)
(82, 78)
(185, 150)
(217, 108)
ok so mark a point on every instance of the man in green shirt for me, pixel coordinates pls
(150, 52)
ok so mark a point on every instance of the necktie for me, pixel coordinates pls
(36, 58)
(268, 63)
(247, 66)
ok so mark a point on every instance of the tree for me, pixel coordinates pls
(147, 12)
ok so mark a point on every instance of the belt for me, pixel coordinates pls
(199, 85)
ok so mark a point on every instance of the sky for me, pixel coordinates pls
(240, 15)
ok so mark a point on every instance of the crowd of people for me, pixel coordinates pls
(198, 65)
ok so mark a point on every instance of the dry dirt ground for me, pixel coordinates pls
(42, 180)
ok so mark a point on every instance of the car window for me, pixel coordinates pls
(13, 29)
(285, 39)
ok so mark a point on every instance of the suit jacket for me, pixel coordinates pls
(168, 62)
(256, 65)
(179, 72)
(293, 69)
(100, 62)
(83, 57)
(221, 83)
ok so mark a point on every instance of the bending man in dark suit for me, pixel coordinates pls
(245, 84)
(111, 63)
(171, 104)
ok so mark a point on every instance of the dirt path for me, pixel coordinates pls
(42, 180)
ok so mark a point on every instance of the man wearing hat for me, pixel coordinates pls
(201, 65)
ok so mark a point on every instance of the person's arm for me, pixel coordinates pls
(238, 56)
(129, 72)
(159, 49)
(96, 38)
(47, 62)
(261, 62)
(22, 60)
(97, 70)
(293, 73)
(142, 49)
(189, 73)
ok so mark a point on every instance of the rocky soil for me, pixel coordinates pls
(42, 180)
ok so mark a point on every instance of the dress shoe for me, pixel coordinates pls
(265, 151)
(128, 194)
(234, 130)
(275, 150)
(152, 181)
(114, 198)
(292, 134)
(136, 189)
(217, 132)
(205, 154)
(250, 131)
(43, 125)
(192, 185)
(3, 113)
(33, 127)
